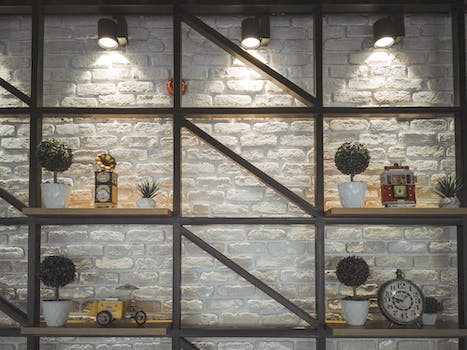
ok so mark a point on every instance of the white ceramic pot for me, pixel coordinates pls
(56, 312)
(451, 202)
(146, 203)
(55, 195)
(352, 194)
(429, 319)
(355, 312)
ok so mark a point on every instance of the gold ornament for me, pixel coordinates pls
(105, 161)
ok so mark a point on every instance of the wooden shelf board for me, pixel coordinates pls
(93, 212)
(382, 329)
(120, 328)
(428, 212)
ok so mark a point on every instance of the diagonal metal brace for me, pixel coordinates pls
(268, 180)
(15, 92)
(251, 61)
(186, 345)
(7, 196)
(250, 278)
(12, 311)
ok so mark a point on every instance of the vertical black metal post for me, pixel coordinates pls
(177, 185)
(34, 231)
(460, 99)
(319, 183)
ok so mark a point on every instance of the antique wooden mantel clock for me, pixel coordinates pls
(105, 184)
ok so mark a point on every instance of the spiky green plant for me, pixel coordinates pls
(353, 271)
(57, 271)
(449, 186)
(148, 189)
(352, 158)
(432, 306)
(55, 156)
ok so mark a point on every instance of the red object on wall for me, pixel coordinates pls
(170, 86)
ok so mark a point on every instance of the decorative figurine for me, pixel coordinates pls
(398, 186)
(105, 190)
(110, 309)
(170, 86)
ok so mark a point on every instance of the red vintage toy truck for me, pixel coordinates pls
(398, 186)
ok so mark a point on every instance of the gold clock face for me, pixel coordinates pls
(103, 176)
(102, 193)
(400, 191)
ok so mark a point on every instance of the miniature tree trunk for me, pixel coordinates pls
(56, 292)
(55, 177)
(351, 177)
(354, 288)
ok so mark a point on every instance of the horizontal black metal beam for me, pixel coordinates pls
(12, 311)
(14, 221)
(247, 221)
(186, 345)
(15, 91)
(391, 220)
(268, 180)
(250, 332)
(11, 332)
(249, 277)
(8, 197)
(251, 61)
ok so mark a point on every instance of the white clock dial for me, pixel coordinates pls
(102, 193)
(401, 301)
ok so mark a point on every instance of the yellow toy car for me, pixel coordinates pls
(109, 309)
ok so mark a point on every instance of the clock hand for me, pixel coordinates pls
(398, 300)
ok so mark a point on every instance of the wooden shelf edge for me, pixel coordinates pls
(428, 212)
(153, 328)
(383, 329)
(94, 212)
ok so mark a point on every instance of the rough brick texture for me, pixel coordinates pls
(77, 74)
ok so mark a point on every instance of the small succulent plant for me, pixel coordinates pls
(148, 189)
(57, 271)
(353, 271)
(352, 158)
(432, 306)
(55, 156)
(449, 186)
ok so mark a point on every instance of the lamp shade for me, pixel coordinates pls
(107, 34)
(250, 33)
(387, 30)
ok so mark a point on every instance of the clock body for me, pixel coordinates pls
(401, 301)
(105, 189)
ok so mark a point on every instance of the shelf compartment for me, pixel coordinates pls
(119, 328)
(401, 212)
(97, 212)
(383, 329)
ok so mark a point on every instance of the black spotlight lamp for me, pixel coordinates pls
(112, 33)
(255, 32)
(387, 31)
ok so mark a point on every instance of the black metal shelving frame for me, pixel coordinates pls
(187, 12)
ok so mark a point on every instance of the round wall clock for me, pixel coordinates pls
(401, 301)
(102, 193)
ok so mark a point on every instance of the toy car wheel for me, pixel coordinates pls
(140, 317)
(104, 318)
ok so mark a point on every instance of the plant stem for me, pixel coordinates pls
(56, 293)
(55, 177)
(351, 177)
(354, 291)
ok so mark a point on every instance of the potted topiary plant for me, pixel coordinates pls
(449, 189)
(353, 271)
(430, 311)
(56, 271)
(54, 156)
(352, 158)
(148, 190)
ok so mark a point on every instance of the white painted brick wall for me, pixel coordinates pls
(79, 74)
